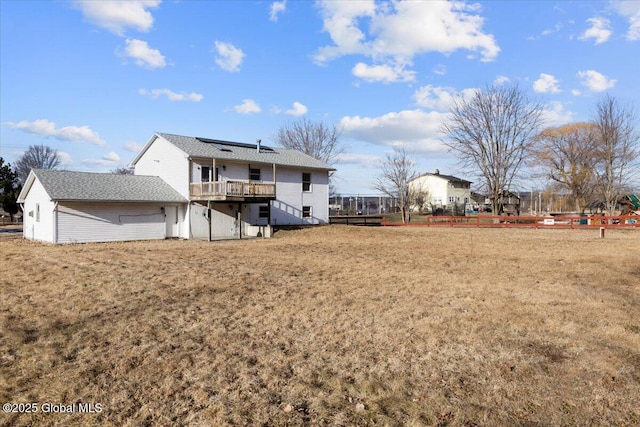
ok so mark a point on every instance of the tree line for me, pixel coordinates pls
(496, 133)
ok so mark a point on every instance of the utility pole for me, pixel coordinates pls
(540, 201)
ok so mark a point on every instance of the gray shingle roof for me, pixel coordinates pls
(195, 147)
(88, 186)
(450, 178)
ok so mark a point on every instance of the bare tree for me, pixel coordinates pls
(397, 171)
(316, 139)
(36, 157)
(122, 171)
(616, 148)
(567, 155)
(492, 132)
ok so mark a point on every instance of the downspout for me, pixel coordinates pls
(55, 222)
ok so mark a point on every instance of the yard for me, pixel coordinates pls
(327, 326)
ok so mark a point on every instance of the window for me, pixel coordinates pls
(254, 174)
(264, 211)
(451, 199)
(37, 212)
(205, 174)
(306, 181)
(306, 212)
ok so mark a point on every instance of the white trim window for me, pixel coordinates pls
(306, 182)
(306, 212)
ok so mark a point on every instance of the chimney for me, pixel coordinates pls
(258, 142)
(437, 172)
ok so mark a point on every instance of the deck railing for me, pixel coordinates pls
(234, 189)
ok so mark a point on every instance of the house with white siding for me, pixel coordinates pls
(441, 191)
(198, 188)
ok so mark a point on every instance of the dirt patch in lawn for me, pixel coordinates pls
(327, 326)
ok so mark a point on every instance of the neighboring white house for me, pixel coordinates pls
(192, 188)
(74, 207)
(441, 191)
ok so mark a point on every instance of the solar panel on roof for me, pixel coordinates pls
(223, 145)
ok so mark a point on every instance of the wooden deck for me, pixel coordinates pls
(231, 190)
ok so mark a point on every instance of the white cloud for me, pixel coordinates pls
(277, 7)
(546, 84)
(631, 11)
(595, 81)
(550, 31)
(440, 70)
(132, 146)
(110, 159)
(65, 158)
(111, 156)
(298, 109)
(248, 106)
(416, 130)
(118, 15)
(599, 31)
(575, 92)
(399, 31)
(171, 95)
(500, 80)
(46, 128)
(366, 160)
(439, 98)
(554, 114)
(144, 56)
(383, 73)
(229, 57)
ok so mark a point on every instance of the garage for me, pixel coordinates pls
(81, 207)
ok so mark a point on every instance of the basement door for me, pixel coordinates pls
(172, 220)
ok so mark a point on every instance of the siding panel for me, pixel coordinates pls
(165, 160)
(109, 222)
(38, 228)
(287, 208)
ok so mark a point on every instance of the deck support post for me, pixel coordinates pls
(209, 217)
(239, 217)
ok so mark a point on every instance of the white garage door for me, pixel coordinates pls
(109, 222)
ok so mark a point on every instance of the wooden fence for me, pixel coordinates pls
(357, 219)
(568, 221)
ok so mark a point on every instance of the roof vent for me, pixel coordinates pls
(258, 142)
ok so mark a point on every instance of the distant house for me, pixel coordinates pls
(508, 203)
(196, 188)
(445, 192)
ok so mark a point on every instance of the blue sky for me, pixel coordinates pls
(95, 79)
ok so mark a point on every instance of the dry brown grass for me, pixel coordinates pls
(328, 326)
